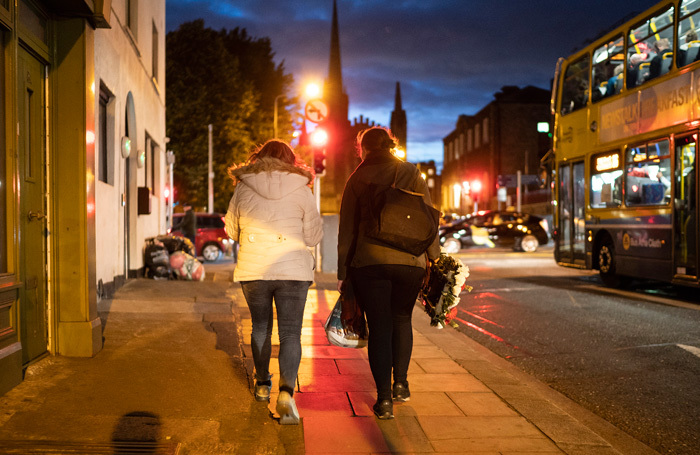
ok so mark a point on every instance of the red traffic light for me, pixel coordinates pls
(319, 137)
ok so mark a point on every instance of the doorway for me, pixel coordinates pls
(31, 101)
(572, 232)
(685, 227)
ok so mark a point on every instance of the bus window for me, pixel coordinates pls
(650, 50)
(648, 174)
(606, 180)
(688, 42)
(608, 64)
(575, 90)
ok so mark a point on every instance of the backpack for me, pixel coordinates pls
(400, 218)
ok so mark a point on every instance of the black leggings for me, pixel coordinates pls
(387, 294)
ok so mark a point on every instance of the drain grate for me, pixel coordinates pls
(86, 448)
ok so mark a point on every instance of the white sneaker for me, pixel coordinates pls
(287, 409)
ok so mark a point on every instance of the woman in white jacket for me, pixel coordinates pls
(273, 216)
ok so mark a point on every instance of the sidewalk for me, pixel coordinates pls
(174, 377)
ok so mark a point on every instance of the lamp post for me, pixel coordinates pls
(274, 121)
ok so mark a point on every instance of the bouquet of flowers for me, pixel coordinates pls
(441, 289)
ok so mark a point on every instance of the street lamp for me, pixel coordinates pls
(275, 115)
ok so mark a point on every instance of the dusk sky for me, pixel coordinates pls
(450, 56)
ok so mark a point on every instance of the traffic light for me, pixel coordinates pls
(475, 189)
(319, 139)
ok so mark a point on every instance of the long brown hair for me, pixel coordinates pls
(280, 150)
(375, 139)
(274, 148)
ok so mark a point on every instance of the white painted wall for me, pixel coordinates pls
(123, 63)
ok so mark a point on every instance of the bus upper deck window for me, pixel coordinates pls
(688, 29)
(608, 66)
(576, 85)
(650, 50)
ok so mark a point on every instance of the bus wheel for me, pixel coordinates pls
(607, 265)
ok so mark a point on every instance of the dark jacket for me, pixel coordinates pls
(354, 248)
(188, 224)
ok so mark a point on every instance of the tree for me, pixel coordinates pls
(224, 79)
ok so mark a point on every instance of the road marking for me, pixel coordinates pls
(641, 296)
(497, 290)
(692, 349)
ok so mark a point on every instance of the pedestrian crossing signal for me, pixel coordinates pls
(319, 162)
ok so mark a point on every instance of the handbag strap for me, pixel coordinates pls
(396, 175)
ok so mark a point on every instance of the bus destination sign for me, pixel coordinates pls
(607, 162)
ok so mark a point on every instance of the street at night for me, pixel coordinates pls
(627, 356)
(239, 227)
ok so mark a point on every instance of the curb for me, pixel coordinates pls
(574, 429)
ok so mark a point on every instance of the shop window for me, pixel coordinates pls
(576, 82)
(606, 180)
(608, 69)
(648, 174)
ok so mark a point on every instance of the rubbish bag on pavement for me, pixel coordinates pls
(186, 267)
(176, 243)
(157, 260)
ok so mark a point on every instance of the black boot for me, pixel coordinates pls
(384, 409)
(400, 391)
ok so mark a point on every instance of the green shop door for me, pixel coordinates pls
(31, 101)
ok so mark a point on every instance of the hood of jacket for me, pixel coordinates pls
(272, 178)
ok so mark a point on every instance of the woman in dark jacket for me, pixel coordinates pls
(385, 280)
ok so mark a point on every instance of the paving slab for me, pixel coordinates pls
(481, 404)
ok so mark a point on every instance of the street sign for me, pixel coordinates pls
(316, 111)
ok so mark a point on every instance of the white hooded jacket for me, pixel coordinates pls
(273, 216)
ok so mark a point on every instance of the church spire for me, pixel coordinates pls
(335, 77)
(397, 122)
(397, 99)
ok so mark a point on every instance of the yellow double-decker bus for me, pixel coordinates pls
(627, 115)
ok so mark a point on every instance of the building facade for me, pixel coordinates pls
(500, 139)
(428, 171)
(82, 168)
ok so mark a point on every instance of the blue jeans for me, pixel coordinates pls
(290, 299)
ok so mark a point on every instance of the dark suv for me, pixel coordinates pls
(211, 240)
(490, 228)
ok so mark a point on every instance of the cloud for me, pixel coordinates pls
(450, 56)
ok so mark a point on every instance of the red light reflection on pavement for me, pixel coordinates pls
(493, 336)
(488, 321)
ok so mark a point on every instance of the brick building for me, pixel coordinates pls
(500, 139)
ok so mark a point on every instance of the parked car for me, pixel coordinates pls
(521, 231)
(211, 240)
